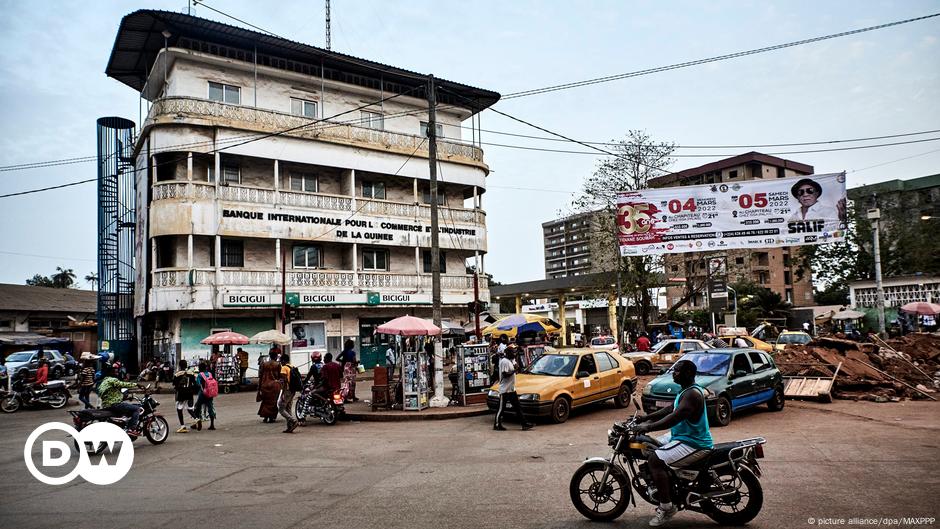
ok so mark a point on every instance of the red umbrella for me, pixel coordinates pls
(225, 338)
(922, 307)
(409, 326)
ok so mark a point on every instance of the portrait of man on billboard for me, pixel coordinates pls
(808, 193)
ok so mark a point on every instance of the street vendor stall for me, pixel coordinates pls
(473, 373)
(412, 364)
(226, 368)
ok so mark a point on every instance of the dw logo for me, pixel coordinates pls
(114, 449)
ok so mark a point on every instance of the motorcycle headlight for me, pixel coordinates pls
(529, 396)
(493, 393)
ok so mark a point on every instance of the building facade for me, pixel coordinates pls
(269, 170)
(570, 249)
(778, 269)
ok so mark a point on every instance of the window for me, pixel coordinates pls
(233, 253)
(307, 256)
(224, 93)
(374, 259)
(689, 346)
(438, 130)
(786, 277)
(614, 364)
(373, 190)
(302, 107)
(760, 361)
(6, 325)
(781, 172)
(732, 174)
(231, 174)
(675, 269)
(426, 195)
(739, 260)
(305, 182)
(372, 120)
(741, 363)
(587, 364)
(426, 260)
(603, 362)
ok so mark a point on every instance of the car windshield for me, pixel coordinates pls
(553, 365)
(602, 341)
(658, 346)
(20, 357)
(709, 364)
(793, 338)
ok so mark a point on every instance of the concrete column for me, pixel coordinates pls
(476, 197)
(352, 191)
(218, 171)
(153, 165)
(153, 253)
(277, 176)
(612, 315)
(562, 320)
(189, 251)
(518, 304)
(417, 260)
(189, 166)
(355, 264)
(218, 255)
(277, 254)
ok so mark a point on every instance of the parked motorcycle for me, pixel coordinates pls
(55, 394)
(312, 404)
(724, 486)
(151, 423)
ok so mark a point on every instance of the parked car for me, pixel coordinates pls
(791, 338)
(605, 343)
(663, 354)
(733, 379)
(560, 381)
(751, 342)
(23, 364)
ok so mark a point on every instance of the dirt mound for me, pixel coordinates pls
(908, 368)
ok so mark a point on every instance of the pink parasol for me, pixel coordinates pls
(225, 338)
(409, 326)
(922, 307)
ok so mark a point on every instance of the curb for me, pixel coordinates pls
(399, 416)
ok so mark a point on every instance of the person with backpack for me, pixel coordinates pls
(208, 389)
(185, 385)
(291, 384)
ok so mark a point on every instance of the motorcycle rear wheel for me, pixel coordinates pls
(329, 417)
(157, 430)
(728, 511)
(10, 404)
(615, 491)
(58, 400)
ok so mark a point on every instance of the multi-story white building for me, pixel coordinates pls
(242, 193)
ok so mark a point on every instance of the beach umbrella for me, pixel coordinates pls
(514, 324)
(273, 336)
(922, 308)
(848, 315)
(225, 338)
(409, 326)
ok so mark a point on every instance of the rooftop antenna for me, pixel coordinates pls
(328, 25)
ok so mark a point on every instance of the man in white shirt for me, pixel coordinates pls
(391, 360)
(507, 392)
(740, 342)
(807, 192)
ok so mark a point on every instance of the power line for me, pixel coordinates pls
(220, 149)
(648, 71)
(49, 256)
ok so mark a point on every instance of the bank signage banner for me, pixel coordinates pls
(748, 214)
(316, 299)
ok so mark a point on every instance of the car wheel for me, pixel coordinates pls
(56, 372)
(643, 367)
(776, 402)
(561, 408)
(722, 415)
(622, 400)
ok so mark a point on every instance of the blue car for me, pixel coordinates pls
(734, 380)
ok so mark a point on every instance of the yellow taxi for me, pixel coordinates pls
(562, 380)
(751, 342)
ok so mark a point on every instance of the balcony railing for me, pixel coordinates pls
(174, 189)
(342, 279)
(174, 108)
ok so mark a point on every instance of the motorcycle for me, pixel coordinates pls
(54, 393)
(152, 424)
(724, 486)
(313, 404)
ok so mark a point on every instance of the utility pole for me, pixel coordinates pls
(438, 401)
(328, 25)
(874, 215)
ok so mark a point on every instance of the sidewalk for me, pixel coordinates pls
(362, 410)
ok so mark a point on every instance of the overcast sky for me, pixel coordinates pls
(53, 88)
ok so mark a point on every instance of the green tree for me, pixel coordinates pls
(92, 278)
(63, 278)
(757, 303)
(638, 159)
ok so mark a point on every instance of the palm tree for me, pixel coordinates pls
(63, 278)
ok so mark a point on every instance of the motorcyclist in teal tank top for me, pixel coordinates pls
(691, 439)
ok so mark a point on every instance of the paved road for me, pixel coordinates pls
(840, 460)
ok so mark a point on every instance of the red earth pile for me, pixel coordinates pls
(870, 372)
